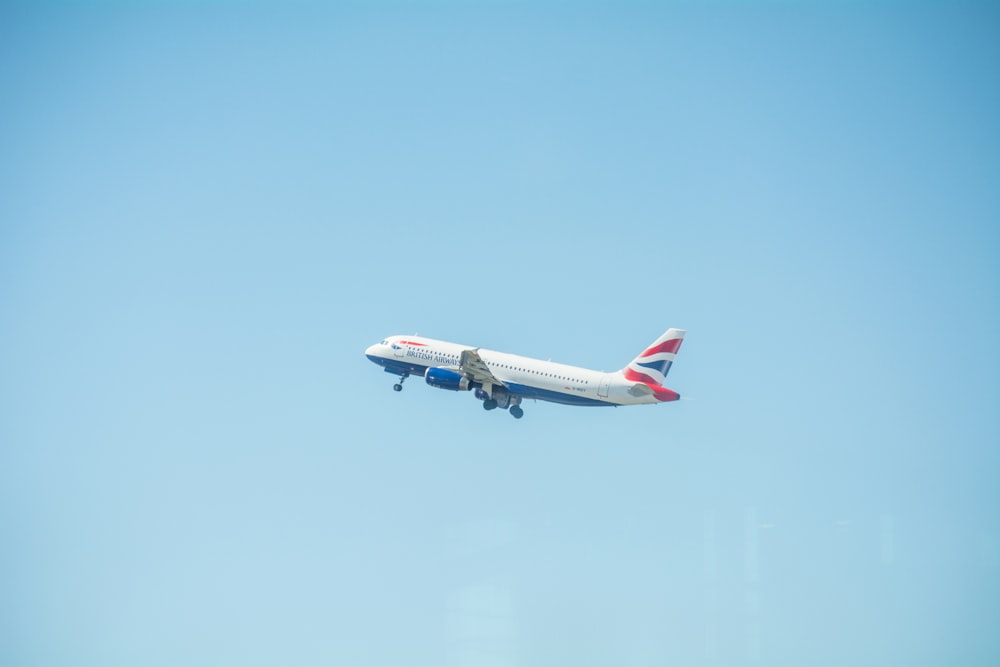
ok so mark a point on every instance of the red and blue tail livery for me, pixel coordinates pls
(651, 367)
(502, 380)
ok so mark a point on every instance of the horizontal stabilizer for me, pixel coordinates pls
(639, 389)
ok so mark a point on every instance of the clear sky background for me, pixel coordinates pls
(208, 211)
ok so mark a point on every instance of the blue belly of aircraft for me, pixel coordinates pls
(398, 367)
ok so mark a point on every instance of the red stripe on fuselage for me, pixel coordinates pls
(410, 342)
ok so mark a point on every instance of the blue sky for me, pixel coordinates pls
(208, 211)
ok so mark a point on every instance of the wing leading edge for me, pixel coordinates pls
(473, 365)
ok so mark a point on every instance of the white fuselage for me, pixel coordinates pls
(522, 377)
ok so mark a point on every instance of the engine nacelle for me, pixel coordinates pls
(442, 378)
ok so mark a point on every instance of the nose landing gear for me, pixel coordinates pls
(399, 385)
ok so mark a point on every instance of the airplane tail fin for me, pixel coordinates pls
(653, 364)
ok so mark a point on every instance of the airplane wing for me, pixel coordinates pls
(473, 365)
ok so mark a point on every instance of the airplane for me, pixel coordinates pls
(502, 380)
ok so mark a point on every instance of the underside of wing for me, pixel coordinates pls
(473, 365)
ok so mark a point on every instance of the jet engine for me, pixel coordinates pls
(442, 378)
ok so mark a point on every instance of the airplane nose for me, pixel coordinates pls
(371, 350)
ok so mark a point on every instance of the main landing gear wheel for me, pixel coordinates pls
(490, 404)
(516, 411)
(399, 385)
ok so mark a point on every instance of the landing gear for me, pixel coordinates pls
(500, 398)
(399, 385)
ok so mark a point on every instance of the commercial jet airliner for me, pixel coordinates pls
(503, 380)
